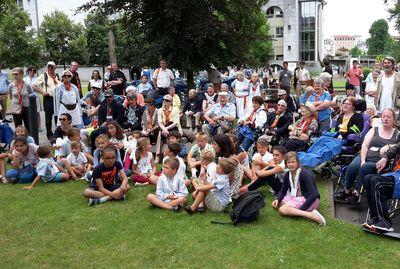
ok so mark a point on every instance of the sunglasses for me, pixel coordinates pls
(50, 67)
(15, 74)
(31, 70)
(62, 119)
(109, 96)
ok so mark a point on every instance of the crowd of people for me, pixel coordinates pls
(243, 135)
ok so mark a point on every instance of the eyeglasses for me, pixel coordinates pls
(15, 74)
(280, 105)
(31, 70)
(62, 119)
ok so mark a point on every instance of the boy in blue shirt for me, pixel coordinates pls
(216, 193)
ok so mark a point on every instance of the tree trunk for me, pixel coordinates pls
(111, 47)
(189, 79)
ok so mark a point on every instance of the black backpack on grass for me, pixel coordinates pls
(246, 208)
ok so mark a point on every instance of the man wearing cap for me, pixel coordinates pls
(117, 80)
(3, 91)
(95, 92)
(168, 120)
(150, 125)
(220, 117)
(110, 109)
(67, 100)
(292, 105)
(163, 78)
(133, 113)
(45, 84)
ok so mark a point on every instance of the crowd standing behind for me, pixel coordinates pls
(243, 134)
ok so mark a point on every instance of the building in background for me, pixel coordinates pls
(30, 6)
(333, 44)
(295, 29)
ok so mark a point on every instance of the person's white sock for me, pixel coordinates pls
(103, 200)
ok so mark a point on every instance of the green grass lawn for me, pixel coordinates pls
(52, 227)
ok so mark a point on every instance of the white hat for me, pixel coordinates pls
(222, 94)
(282, 92)
(96, 84)
(167, 98)
(51, 63)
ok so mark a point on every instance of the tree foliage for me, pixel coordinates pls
(379, 36)
(64, 40)
(192, 34)
(18, 45)
(355, 52)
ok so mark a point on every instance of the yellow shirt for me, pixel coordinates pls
(343, 127)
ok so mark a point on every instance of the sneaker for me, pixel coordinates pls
(352, 199)
(321, 218)
(176, 208)
(123, 197)
(201, 209)
(40, 130)
(380, 226)
(189, 210)
(93, 201)
(341, 195)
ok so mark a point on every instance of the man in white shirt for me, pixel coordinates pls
(388, 86)
(163, 78)
(303, 76)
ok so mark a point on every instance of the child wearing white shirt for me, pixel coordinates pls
(171, 191)
(77, 159)
(173, 150)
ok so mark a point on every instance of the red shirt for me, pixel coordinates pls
(354, 80)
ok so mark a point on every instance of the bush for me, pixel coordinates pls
(366, 71)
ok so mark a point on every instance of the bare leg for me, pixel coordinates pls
(90, 193)
(153, 199)
(153, 180)
(198, 200)
(67, 165)
(3, 167)
(286, 210)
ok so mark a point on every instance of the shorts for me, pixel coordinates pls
(111, 188)
(57, 177)
(213, 203)
(297, 202)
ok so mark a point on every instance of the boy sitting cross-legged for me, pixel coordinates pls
(214, 194)
(105, 185)
(171, 191)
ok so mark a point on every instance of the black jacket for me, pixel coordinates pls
(356, 122)
(117, 112)
(282, 126)
(137, 125)
(193, 104)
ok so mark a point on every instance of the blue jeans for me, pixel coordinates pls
(356, 171)
(244, 142)
(18, 176)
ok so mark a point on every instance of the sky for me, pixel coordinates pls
(339, 15)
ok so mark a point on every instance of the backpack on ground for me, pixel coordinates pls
(246, 208)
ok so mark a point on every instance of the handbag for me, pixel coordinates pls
(69, 107)
(15, 109)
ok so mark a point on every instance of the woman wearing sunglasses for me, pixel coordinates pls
(67, 100)
(19, 95)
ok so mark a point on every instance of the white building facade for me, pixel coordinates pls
(30, 6)
(295, 29)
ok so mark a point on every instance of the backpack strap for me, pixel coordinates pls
(46, 79)
(221, 222)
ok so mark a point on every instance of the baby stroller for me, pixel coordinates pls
(6, 137)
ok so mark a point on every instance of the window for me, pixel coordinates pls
(279, 32)
(20, 3)
(289, 48)
(307, 30)
(289, 27)
(270, 12)
(279, 57)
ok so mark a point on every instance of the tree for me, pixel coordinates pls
(194, 33)
(379, 33)
(394, 13)
(355, 52)
(97, 27)
(18, 45)
(64, 40)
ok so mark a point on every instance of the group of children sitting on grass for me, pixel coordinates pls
(217, 171)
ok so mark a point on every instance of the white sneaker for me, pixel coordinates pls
(141, 184)
(322, 219)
